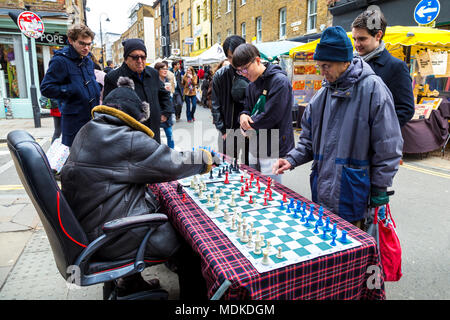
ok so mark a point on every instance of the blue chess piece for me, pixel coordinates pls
(288, 210)
(295, 213)
(291, 204)
(299, 203)
(333, 242)
(327, 224)
(324, 235)
(334, 231)
(343, 238)
(311, 213)
(303, 213)
(281, 205)
(316, 229)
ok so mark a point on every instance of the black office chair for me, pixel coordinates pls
(74, 254)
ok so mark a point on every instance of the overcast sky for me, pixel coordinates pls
(117, 11)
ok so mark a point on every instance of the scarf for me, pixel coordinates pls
(375, 53)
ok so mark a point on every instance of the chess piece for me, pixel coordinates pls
(257, 248)
(251, 199)
(184, 197)
(226, 178)
(279, 254)
(265, 260)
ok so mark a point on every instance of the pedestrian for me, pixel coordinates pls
(99, 76)
(227, 102)
(205, 85)
(349, 132)
(70, 79)
(106, 177)
(162, 69)
(190, 82)
(178, 93)
(368, 30)
(109, 66)
(148, 86)
(223, 63)
(267, 109)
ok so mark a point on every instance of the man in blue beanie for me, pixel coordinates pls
(349, 131)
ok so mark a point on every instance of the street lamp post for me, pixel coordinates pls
(101, 37)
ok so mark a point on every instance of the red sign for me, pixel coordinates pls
(30, 24)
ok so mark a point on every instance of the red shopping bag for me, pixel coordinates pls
(389, 246)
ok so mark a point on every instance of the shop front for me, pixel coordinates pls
(15, 75)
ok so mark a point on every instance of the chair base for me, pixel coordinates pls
(110, 293)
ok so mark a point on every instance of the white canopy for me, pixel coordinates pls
(214, 54)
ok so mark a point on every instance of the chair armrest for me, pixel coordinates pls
(145, 220)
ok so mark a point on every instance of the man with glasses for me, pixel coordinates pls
(70, 78)
(227, 97)
(148, 86)
(349, 131)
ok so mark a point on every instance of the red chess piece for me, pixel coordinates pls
(251, 177)
(184, 197)
(246, 187)
(285, 197)
(269, 182)
(270, 194)
(226, 178)
(242, 191)
(242, 178)
(265, 201)
(251, 199)
(259, 189)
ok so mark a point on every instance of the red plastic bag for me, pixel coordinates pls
(389, 246)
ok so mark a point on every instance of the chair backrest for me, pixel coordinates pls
(66, 237)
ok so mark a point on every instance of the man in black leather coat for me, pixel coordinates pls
(228, 96)
(112, 159)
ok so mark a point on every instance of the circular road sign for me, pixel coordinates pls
(30, 24)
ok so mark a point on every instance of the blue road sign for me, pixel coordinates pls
(426, 11)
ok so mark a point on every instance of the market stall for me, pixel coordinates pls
(214, 54)
(425, 50)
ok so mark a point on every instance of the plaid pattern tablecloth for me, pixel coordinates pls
(341, 275)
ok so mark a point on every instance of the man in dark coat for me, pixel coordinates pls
(148, 86)
(70, 79)
(112, 160)
(178, 94)
(227, 102)
(368, 30)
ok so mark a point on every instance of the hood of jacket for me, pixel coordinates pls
(357, 71)
(70, 52)
(271, 70)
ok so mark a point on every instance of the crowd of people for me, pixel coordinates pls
(111, 121)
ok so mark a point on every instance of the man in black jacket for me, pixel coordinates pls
(148, 86)
(228, 95)
(368, 30)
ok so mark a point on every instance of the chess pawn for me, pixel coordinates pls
(239, 232)
(257, 248)
(279, 254)
(265, 260)
(244, 237)
(226, 216)
(233, 223)
(250, 239)
(261, 241)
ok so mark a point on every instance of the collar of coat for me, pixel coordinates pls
(130, 121)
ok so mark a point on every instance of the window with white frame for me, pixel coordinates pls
(229, 3)
(243, 2)
(182, 20)
(258, 29)
(243, 30)
(189, 16)
(282, 23)
(218, 8)
(312, 16)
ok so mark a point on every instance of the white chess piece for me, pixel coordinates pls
(265, 260)
(244, 237)
(279, 254)
(257, 248)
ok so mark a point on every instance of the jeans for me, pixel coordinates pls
(169, 135)
(189, 112)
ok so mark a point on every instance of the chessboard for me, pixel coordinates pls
(270, 230)
(217, 174)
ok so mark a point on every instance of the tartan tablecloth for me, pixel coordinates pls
(341, 275)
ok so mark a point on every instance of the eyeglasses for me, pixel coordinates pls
(84, 44)
(136, 58)
(244, 70)
(324, 66)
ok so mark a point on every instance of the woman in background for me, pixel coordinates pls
(189, 83)
(166, 125)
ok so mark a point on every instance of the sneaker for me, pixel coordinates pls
(126, 287)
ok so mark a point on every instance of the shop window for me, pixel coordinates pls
(12, 65)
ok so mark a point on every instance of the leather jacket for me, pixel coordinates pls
(111, 161)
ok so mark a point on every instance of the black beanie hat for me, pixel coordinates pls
(130, 45)
(125, 99)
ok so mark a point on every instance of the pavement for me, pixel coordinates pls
(27, 267)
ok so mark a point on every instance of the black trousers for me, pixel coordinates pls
(57, 125)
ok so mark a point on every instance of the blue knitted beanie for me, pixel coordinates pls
(334, 45)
